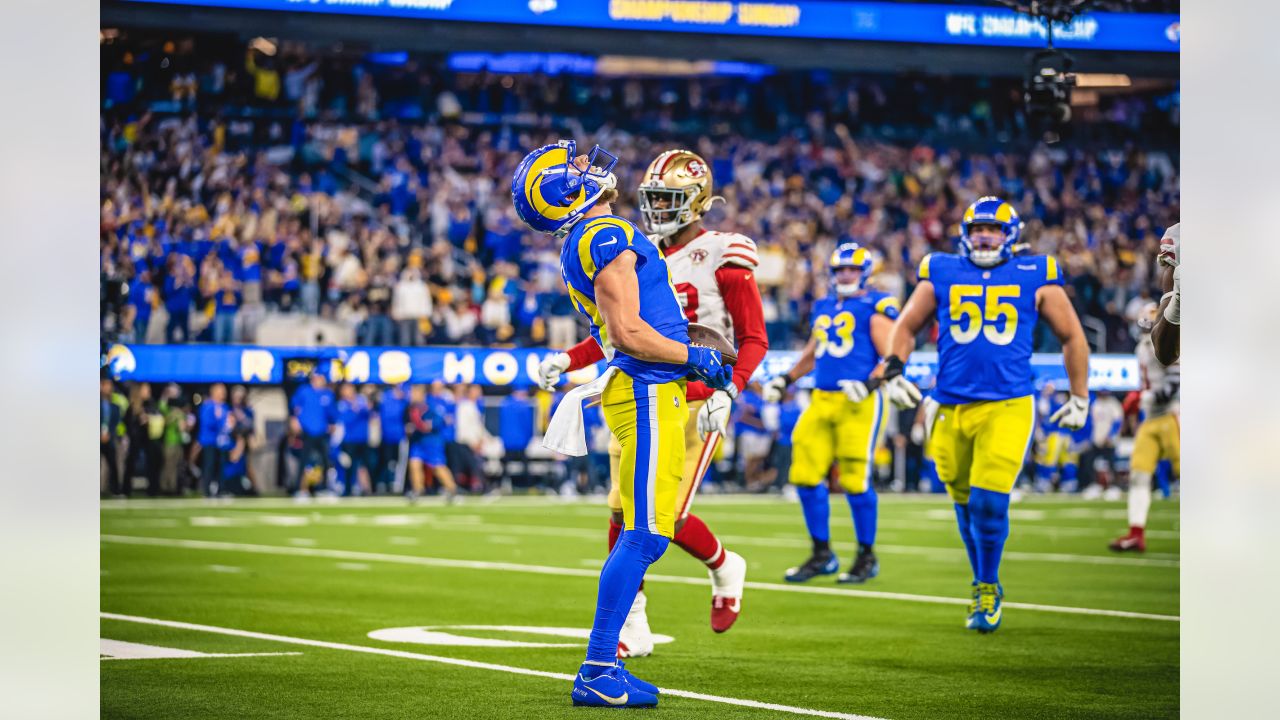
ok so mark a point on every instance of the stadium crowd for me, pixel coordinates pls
(241, 182)
(237, 183)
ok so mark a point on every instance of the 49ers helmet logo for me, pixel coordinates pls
(695, 168)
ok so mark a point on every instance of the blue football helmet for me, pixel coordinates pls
(551, 194)
(853, 255)
(990, 210)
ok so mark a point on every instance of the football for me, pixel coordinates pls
(709, 337)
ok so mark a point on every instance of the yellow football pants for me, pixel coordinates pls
(981, 444)
(696, 453)
(1157, 439)
(648, 423)
(833, 428)
(1056, 450)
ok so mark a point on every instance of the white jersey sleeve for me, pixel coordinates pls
(739, 250)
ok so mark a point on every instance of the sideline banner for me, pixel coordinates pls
(515, 368)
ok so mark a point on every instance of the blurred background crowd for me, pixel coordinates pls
(242, 182)
(271, 192)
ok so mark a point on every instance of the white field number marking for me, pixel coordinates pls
(436, 635)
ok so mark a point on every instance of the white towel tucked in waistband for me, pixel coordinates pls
(565, 433)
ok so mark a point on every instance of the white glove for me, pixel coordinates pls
(1073, 415)
(855, 390)
(773, 390)
(1173, 311)
(550, 369)
(901, 392)
(920, 431)
(714, 414)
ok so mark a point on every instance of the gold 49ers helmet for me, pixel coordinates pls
(676, 191)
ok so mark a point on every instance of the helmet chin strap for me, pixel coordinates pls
(847, 288)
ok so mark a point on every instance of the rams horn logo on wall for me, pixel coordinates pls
(121, 360)
(1174, 33)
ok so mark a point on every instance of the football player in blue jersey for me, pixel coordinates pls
(618, 279)
(987, 301)
(845, 419)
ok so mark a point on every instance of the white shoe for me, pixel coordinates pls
(1113, 493)
(636, 640)
(1093, 492)
(727, 582)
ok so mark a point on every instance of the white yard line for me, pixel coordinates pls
(121, 650)
(475, 665)
(499, 533)
(580, 572)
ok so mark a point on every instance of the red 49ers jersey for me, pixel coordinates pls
(693, 272)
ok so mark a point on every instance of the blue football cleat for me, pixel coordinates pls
(820, 563)
(973, 606)
(609, 689)
(986, 618)
(636, 682)
(865, 566)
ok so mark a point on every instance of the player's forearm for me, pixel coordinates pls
(1075, 353)
(919, 308)
(1166, 337)
(804, 364)
(902, 340)
(642, 342)
(583, 354)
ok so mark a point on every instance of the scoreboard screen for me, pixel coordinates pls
(828, 19)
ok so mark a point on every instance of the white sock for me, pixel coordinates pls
(1139, 498)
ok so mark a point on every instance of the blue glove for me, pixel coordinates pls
(705, 364)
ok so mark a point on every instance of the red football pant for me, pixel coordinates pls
(694, 537)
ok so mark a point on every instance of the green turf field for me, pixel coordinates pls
(272, 576)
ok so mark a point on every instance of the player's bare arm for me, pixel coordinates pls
(901, 341)
(915, 314)
(1055, 308)
(881, 330)
(618, 297)
(1166, 334)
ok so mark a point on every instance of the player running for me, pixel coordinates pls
(1157, 437)
(714, 279)
(845, 419)
(619, 280)
(987, 302)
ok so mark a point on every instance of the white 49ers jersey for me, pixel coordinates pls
(1157, 378)
(693, 271)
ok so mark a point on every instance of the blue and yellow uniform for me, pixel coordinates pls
(1058, 449)
(985, 319)
(643, 402)
(833, 427)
